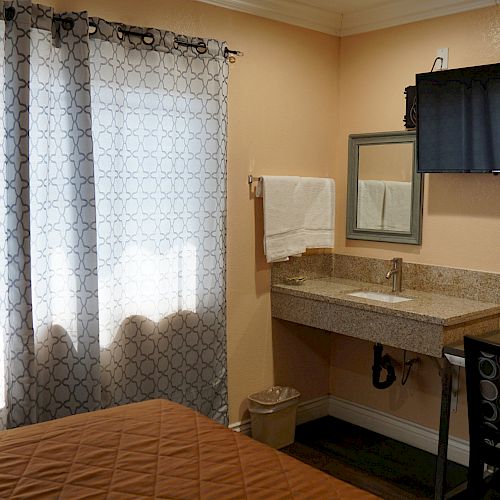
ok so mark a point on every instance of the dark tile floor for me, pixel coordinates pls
(384, 466)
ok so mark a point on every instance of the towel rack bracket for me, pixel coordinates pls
(252, 179)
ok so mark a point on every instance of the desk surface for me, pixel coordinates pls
(424, 324)
(427, 307)
(457, 349)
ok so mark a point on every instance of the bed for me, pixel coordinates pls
(154, 449)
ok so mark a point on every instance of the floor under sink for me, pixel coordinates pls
(386, 467)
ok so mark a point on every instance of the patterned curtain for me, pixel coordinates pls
(158, 112)
(63, 218)
(113, 215)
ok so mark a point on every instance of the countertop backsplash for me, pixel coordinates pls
(463, 283)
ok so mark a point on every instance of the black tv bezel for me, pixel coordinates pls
(450, 74)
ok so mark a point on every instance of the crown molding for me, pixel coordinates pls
(397, 13)
(393, 13)
(297, 14)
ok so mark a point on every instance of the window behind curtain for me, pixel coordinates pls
(159, 149)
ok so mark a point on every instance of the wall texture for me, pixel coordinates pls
(294, 98)
(461, 220)
(282, 121)
(460, 210)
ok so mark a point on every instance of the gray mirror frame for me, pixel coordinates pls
(414, 236)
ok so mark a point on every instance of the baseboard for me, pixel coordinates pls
(397, 428)
(312, 409)
(244, 426)
(388, 425)
(306, 411)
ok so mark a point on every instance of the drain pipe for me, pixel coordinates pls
(382, 362)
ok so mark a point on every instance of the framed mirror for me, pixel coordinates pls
(384, 192)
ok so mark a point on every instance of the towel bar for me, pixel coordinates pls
(252, 179)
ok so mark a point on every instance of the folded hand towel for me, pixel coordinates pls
(370, 204)
(319, 211)
(397, 206)
(283, 217)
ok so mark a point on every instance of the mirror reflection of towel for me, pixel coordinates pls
(397, 206)
(370, 204)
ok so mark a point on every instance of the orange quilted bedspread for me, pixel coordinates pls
(155, 449)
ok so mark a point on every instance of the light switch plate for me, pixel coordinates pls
(443, 53)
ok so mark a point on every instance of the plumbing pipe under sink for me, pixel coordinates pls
(382, 362)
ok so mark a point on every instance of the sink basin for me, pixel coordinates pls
(381, 297)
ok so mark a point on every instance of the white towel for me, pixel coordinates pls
(283, 217)
(319, 212)
(370, 204)
(397, 206)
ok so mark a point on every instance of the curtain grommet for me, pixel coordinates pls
(9, 13)
(201, 48)
(68, 24)
(148, 39)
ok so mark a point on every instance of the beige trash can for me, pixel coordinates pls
(274, 414)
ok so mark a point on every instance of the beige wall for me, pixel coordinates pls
(290, 112)
(460, 210)
(282, 121)
(461, 220)
(418, 400)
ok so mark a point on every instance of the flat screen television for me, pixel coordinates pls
(458, 120)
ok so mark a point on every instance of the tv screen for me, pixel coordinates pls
(458, 120)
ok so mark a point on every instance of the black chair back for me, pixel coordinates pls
(482, 362)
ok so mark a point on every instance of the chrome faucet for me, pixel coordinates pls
(397, 274)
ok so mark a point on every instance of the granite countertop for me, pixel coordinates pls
(424, 306)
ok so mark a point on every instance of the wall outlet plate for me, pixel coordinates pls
(443, 53)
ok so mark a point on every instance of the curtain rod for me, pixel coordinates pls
(201, 47)
(147, 38)
(68, 23)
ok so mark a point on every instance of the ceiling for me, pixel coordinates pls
(349, 17)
